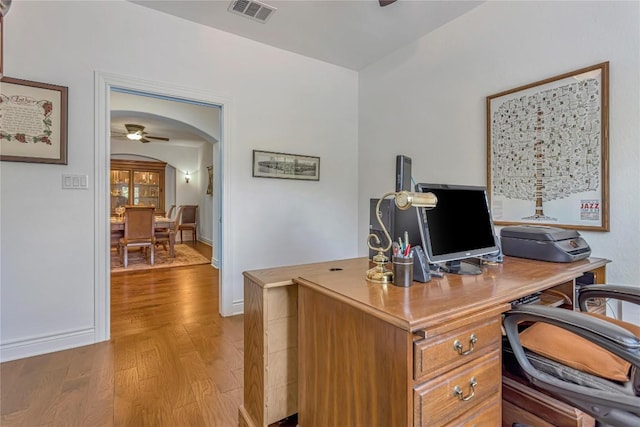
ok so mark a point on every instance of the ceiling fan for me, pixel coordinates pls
(137, 133)
(384, 3)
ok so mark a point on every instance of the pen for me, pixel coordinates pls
(406, 239)
(406, 251)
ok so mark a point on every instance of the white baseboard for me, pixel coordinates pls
(22, 348)
(237, 308)
(214, 261)
(205, 240)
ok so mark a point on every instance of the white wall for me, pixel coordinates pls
(427, 101)
(280, 102)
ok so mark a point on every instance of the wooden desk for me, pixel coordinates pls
(323, 342)
(159, 223)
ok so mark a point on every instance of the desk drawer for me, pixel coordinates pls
(436, 403)
(487, 415)
(435, 355)
(524, 404)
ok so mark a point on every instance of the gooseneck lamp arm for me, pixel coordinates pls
(403, 200)
(375, 237)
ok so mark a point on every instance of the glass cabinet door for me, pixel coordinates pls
(119, 188)
(146, 188)
(137, 182)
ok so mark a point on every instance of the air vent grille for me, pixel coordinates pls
(252, 9)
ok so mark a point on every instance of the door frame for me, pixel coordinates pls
(104, 82)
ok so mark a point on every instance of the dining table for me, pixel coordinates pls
(159, 223)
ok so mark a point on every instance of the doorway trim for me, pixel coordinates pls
(104, 82)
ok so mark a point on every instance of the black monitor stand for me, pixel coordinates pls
(460, 267)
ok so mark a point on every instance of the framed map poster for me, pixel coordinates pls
(33, 122)
(548, 152)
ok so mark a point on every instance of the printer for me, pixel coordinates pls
(543, 243)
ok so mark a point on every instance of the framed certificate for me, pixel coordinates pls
(33, 122)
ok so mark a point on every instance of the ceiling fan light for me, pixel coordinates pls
(135, 136)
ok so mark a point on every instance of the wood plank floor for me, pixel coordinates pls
(172, 361)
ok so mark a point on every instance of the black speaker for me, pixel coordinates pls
(421, 271)
(403, 173)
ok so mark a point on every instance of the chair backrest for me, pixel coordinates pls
(189, 214)
(170, 213)
(138, 222)
(559, 351)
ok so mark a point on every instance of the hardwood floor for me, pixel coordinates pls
(172, 361)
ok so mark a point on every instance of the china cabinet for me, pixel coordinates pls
(138, 183)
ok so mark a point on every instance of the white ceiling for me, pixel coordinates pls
(179, 134)
(151, 112)
(349, 33)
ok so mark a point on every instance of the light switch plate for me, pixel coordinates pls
(75, 181)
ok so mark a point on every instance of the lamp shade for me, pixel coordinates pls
(405, 200)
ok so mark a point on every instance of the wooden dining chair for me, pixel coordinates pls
(138, 232)
(188, 220)
(171, 211)
(164, 236)
(115, 239)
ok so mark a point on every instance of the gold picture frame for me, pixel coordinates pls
(1, 46)
(548, 151)
(210, 182)
(33, 122)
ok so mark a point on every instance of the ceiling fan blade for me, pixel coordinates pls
(384, 3)
(160, 138)
(143, 139)
(132, 128)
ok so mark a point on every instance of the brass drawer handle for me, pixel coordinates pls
(473, 339)
(457, 391)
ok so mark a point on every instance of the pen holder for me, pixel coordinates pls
(402, 271)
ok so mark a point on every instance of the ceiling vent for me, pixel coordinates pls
(252, 9)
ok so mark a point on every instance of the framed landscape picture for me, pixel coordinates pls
(268, 164)
(548, 151)
(33, 122)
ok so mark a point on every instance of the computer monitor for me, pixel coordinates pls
(458, 228)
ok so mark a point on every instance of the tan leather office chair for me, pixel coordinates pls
(584, 359)
(138, 232)
(188, 220)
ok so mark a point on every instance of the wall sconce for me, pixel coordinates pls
(403, 200)
(187, 177)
